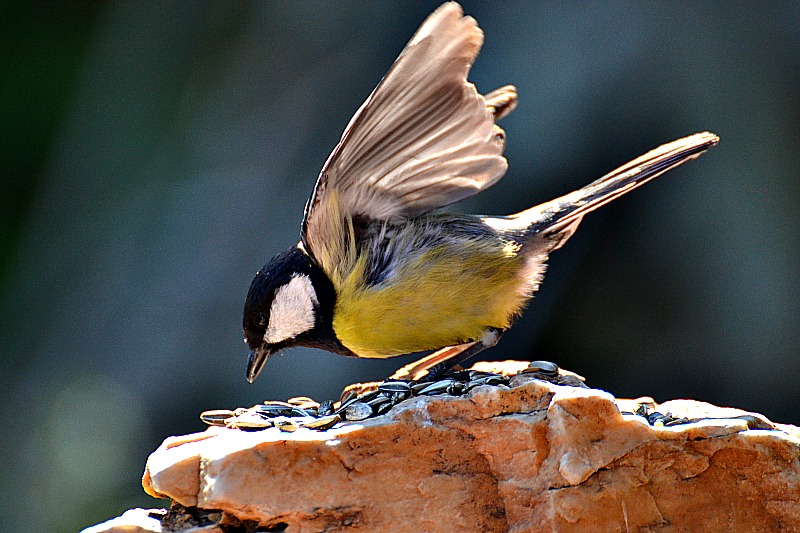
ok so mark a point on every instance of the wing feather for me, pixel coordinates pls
(425, 138)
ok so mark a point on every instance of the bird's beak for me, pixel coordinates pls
(255, 362)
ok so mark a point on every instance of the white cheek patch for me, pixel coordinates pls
(292, 311)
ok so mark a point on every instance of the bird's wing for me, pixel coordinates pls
(423, 139)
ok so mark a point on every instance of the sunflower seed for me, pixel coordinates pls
(344, 405)
(216, 417)
(416, 387)
(363, 401)
(383, 408)
(277, 403)
(677, 421)
(495, 380)
(756, 421)
(304, 402)
(286, 424)
(544, 367)
(662, 419)
(438, 387)
(397, 397)
(300, 400)
(395, 387)
(357, 411)
(323, 422)
(461, 375)
(280, 410)
(250, 421)
(379, 399)
(457, 388)
(367, 396)
(487, 380)
(325, 408)
(348, 396)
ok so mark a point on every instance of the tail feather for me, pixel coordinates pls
(559, 218)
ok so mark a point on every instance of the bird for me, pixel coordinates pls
(380, 271)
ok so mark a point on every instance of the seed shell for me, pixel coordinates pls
(357, 411)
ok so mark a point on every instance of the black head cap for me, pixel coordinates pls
(294, 289)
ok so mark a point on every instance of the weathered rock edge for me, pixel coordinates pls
(532, 457)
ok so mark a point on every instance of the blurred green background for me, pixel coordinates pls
(156, 154)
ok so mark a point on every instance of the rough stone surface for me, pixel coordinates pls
(177, 519)
(132, 521)
(533, 457)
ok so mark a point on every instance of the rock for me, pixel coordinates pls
(131, 521)
(531, 457)
(178, 518)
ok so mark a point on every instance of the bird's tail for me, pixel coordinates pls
(559, 218)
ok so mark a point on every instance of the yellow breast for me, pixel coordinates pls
(441, 298)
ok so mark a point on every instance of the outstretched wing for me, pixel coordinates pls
(423, 139)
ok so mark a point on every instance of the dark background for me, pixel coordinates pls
(155, 155)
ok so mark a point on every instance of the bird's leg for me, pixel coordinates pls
(490, 338)
(420, 367)
(439, 362)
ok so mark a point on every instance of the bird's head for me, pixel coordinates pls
(282, 308)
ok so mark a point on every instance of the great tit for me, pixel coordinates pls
(377, 273)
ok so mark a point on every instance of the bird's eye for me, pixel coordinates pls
(261, 319)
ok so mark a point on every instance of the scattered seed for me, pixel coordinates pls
(250, 420)
(344, 405)
(383, 408)
(323, 422)
(347, 396)
(357, 411)
(286, 424)
(456, 388)
(305, 403)
(417, 387)
(277, 403)
(217, 417)
(437, 387)
(544, 367)
(280, 410)
(300, 401)
(395, 387)
(379, 399)
(757, 422)
(325, 408)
